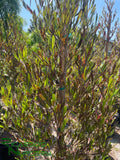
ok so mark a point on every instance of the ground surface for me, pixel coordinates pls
(115, 141)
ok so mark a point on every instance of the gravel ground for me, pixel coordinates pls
(115, 141)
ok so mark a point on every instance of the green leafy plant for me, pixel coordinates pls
(56, 91)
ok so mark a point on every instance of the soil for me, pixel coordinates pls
(115, 141)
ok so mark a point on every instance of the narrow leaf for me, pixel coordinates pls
(42, 97)
(53, 41)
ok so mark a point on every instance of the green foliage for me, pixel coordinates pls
(7, 9)
(11, 7)
(51, 76)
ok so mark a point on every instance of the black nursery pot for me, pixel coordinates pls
(119, 116)
(7, 151)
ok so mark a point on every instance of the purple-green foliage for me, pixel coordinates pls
(33, 98)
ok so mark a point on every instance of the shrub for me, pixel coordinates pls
(59, 87)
